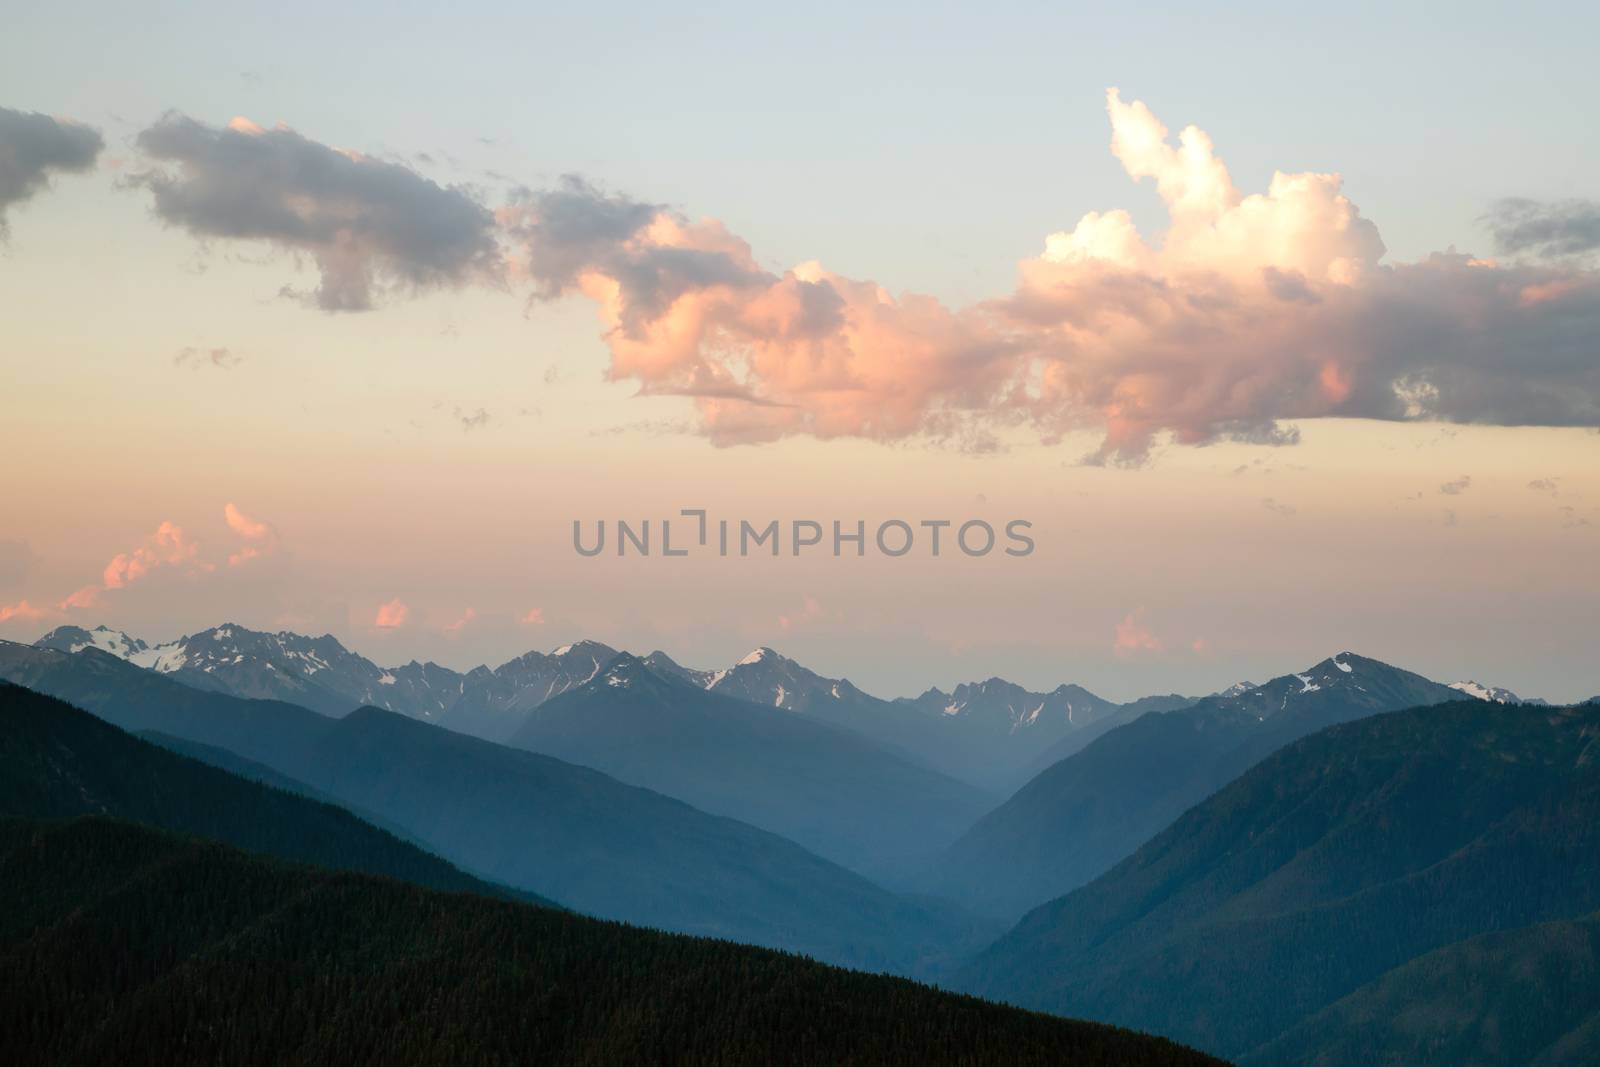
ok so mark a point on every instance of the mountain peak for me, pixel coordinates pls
(70, 639)
(756, 655)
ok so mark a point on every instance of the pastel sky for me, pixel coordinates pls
(334, 318)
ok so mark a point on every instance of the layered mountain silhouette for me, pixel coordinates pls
(987, 733)
(58, 762)
(830, 789)
(1090, 810)
(1323, 907)
(526, 820)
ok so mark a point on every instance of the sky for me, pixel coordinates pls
(1279, 327)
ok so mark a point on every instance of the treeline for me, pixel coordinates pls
(122, 944)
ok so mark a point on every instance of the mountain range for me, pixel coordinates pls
(1351, 899)
(526, 820)
(991, 734)
(131, 932)
(827, 788)
(1084, 813)
(1343, 865)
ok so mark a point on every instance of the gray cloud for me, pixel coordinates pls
(367, 222)
(1456, 486)
(474, 420)
(1549, 230)
(35, 146)
(577, 228)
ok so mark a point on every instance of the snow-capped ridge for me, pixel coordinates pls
(1492, 693)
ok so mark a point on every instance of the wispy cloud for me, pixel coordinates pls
(472, 420)
(1548, 230)
(21, 611)
(220, 358)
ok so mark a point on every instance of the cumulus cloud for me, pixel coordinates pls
(1251, 311)
(688, 311)
(391, 615)
(33, 147)
(1547, 230)
(460, 623)
(534, 617)
(167, 546)
(368, 223)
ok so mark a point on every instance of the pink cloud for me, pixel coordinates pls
(534, 617)
(166, 546)
(810, 610)
(459, 624)
(21, 611)
(85, 597)
(391, 615)
(1253, 308)
(262, 537)
(1133, 636)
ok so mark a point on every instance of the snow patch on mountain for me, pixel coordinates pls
(1491, 693)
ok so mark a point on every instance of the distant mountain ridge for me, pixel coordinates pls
(1083, 814)
(321, 674)
(986, 733)
(831, 789)
(994, 734)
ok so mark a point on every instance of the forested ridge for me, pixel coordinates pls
(1329, 867)
(124, 944)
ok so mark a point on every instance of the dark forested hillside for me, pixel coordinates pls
(122, 944)
(1528, 996)
(57, 762)
(1327, 866)
(1076, 819)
